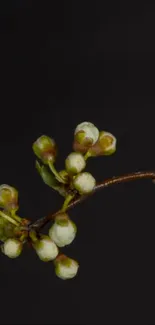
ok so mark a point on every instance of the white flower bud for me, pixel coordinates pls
(46, 249)
(84, 183)
(66, 268)
(75, 163)
(12, 248)
(86, 133)
(63, 231)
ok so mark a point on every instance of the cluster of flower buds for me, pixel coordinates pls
(10, 223)
(60, 234)
(88, 142)
(83, 182)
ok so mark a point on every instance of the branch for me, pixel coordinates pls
(37, 225)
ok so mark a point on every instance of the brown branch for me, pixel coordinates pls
(37, 225)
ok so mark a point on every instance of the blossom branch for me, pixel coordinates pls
(40, 223)
(73, 183)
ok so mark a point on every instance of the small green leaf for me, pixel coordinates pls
(7, 230)
(38, 167)
(49, 179)
(46, 175)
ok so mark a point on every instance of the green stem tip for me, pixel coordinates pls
(67, 201)
(54, 171)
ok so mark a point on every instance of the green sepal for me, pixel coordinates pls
(62, 219)
(109, 152)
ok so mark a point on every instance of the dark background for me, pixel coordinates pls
(61, 63)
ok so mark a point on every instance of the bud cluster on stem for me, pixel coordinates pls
(74, 183)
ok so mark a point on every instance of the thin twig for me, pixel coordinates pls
(37, 225)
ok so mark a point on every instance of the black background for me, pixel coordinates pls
(61, 63)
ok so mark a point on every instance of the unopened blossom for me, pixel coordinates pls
(63, 231)
(75, 163)
(106, 145)
(86, 134)
(12, 248)
(65, 267)
(46, 249)
(45, 149)
(84, 183)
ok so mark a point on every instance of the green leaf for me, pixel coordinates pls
(49, 179)
(38, 166)
(7, 230)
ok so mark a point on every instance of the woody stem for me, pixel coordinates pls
(40, 223)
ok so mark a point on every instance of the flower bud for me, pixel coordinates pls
(8, 197)
(63, 231)
(46, 249)
(106, 145)
(45, 149)
(12, 248)
(65, 267)
(86, 134)
(84, 183)
(75, 163)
